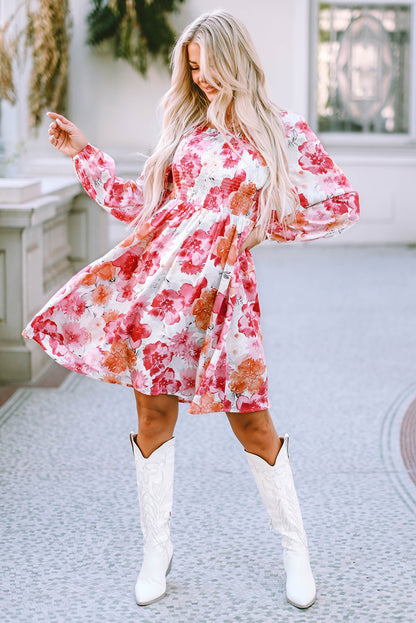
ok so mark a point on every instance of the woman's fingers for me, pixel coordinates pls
(55, 115)
(60, 121)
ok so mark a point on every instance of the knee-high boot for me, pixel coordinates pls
(155, 489)
(277, 489)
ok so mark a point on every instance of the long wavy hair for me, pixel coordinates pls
(228, 62)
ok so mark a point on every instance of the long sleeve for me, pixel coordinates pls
(123, 199)
(327, 202)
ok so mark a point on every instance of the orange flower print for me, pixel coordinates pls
(225, 252)
(242, 200)
(207, 404)
(119, 358)
(112, 378)
(88, 279)
(106, 271)
(111, 315)
(249, 376)
(101, 294)
(202, 308)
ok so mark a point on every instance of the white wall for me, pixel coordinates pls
(118, 108)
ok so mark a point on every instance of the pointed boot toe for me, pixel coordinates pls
(300, 584)
(151, 583)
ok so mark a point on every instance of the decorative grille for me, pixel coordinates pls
(363, 74)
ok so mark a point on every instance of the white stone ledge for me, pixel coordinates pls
(55, 193)
(18, 190)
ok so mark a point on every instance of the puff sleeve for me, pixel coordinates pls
(327, 202)
(123, 199)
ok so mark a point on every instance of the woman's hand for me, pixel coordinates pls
(254, 238)
(65, 136)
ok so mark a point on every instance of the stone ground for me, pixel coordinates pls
(339, 326)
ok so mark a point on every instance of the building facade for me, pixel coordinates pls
(348, 67)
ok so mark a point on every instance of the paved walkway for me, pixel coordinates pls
(339, 327)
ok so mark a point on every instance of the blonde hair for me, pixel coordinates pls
(228, 62)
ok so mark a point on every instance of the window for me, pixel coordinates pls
(363, 67)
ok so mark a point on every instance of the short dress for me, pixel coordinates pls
(173, 309)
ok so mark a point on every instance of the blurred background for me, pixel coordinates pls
(349, 68)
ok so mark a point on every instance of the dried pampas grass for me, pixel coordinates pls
(46, 39)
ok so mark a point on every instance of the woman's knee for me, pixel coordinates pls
(157, 414)
(255, 428)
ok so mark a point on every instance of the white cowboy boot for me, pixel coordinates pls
(277, 489)
(155, 488)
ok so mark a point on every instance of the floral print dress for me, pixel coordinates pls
(173, 309)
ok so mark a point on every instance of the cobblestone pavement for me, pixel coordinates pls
(340, 336)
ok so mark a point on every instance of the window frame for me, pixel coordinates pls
(363, 138)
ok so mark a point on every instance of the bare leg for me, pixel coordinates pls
(257, 433)
(157, 418)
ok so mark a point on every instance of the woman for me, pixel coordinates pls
(173, 310)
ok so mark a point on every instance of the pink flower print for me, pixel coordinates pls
(95, 328)
(126, 216)
(72, 305)
(138, 380)
(43, 323)
(150, 263)
(189, 293)
(92, 358)
(119, 192)
(126, 289)
(332, 182)
(229, 155)
(156, 357)
(132, 328)
(248, 323)
(248, 276)
(185, 345)
(138, 333)
(190, 167)
(56, 345)
(74, 335)
(165, 383)
(194, 252)
(215, 377)
(213, 198)
(85, 181)
(253, 402)
(302, 128)
(218, 196)
(314, 158)
(113, 322)
(188, 380)
(166, 306)
(128, 262)
(303, 200)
